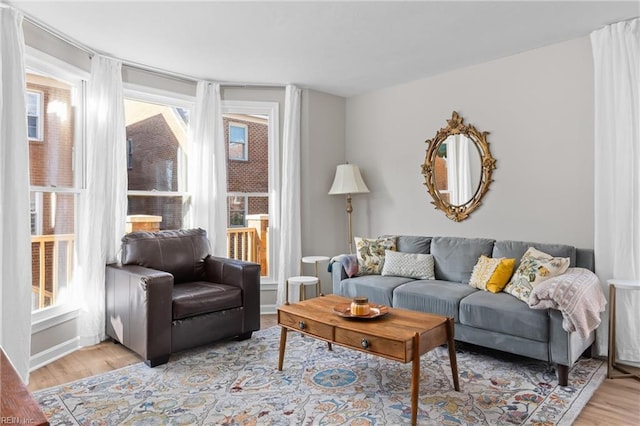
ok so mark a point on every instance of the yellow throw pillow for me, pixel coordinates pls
(501, 275)
(491, 274)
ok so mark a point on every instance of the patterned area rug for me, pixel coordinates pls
(237, 383)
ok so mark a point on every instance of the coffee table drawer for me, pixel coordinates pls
(378, 345)
(305, 325)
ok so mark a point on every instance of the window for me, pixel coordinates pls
(55, 168)
(34, 115)
(157, 145)
(237, 141)
(251, 194)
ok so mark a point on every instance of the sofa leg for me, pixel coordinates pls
(157, 361)
(244, 336)
(563, 374)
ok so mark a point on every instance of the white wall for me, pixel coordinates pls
(537, 106)
(322, 149)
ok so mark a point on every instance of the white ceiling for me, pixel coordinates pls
(343, 48)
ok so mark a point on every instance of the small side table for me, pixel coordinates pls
(612, 365)
(315, 260)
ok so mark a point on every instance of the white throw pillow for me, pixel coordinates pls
(411, 265)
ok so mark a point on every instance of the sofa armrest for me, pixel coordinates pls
(342, 266)
(238, 273)
(138, 310)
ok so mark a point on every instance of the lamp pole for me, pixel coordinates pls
(349, 230)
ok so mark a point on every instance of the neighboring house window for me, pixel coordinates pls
(157, 141)
(34, 115)
(36, 213)
(238, 141)
(129, 154)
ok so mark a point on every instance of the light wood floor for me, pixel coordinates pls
(616, 402)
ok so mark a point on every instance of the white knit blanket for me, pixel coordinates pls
(577, 294)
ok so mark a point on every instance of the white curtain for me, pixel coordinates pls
(290, 241)
(458, 170)
(616, 54)
(15, 246)
(208, 167)
(103, 206)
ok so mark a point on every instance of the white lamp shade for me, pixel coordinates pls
(348, 180)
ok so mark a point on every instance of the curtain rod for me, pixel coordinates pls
(145, 68)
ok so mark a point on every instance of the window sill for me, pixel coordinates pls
(50, 317)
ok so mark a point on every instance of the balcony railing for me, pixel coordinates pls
(52, 260)
(245, 244)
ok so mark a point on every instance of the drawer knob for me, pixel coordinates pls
(365, 343)
(302, 325)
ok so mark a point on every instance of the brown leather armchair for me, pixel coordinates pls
(168, 294)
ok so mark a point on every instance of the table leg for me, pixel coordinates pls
(452, 354)
(415, 378)
(283, 343)
(612, 327)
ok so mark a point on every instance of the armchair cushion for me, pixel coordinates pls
(201, 297)
(179, 252)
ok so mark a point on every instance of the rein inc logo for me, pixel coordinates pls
(14, 420)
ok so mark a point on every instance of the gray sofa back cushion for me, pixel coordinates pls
(515, 249)
(455, 257)
(413, 244)
(178, 252)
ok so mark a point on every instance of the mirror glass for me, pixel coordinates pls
(458, 168)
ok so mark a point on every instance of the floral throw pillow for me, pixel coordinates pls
(370, 253)
(535, 267)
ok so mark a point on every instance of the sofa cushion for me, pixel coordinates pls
(201, 297)
(370, 253)
(178, 252)
(535, 267)
(377, 288)
(411, 265)
(436, 297)
(502, 313)
(456, 257)
(516, 249)
(413, 244)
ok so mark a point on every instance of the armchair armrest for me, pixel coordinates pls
(138, 309)
(238, 273)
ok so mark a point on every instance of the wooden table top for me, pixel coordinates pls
(398, 324)
(17, 405)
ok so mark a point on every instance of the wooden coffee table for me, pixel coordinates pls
(401, 335)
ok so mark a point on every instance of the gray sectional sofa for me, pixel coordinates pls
(498, 321)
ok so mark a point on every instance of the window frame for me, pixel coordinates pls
(38, 62)
(272, 111)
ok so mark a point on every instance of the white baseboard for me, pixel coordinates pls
(267, 309)
(56, 352)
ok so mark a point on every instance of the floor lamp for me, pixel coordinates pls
(348, 181)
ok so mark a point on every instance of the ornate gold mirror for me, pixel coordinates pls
(457, 168)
